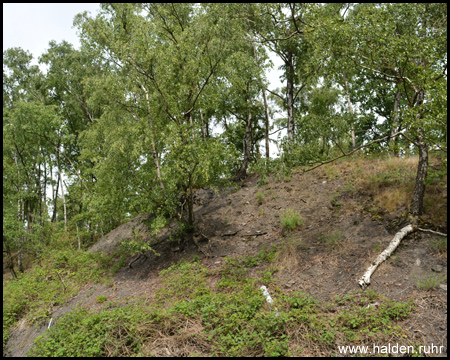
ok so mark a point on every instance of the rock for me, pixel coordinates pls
(437, 268)
(443, 287)
(418, 262)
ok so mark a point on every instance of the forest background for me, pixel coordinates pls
(128, 117)
(161, 100)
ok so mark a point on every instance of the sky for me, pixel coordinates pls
(32, 26)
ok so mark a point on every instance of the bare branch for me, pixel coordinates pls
(431, 231)
(351, 152)
(274, 93)
(412, 141)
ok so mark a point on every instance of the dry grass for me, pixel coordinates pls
(390, 182)
(391, 199)
(287, 257)
(185, 338)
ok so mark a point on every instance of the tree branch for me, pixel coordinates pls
(351, 152)
(274, 93)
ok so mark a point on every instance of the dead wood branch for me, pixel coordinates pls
(256, 233)
(434, 232)
(133, 261)
(351, 152)
(364, 281)
(230, 233)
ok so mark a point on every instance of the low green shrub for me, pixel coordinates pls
(290, 219)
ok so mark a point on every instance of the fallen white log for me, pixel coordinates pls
(268, 298)
(365, 279)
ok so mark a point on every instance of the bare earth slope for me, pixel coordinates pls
(236, 223)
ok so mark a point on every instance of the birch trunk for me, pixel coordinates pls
(20, 211)
(416, 207)
(394, 125)
(266, 112)
(55, 196)
(247, 144)
(204, 126)
(45, 190)
(364, 281)
(154, 152)
(62, 192)
(290, 96)
(350, 110)
(78, 238)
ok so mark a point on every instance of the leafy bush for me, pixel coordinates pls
(81, 333)
(59, 276)
(231, 320)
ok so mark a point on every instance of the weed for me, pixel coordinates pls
(393, 259)
(261, 212)
(440, 244)
(250, 261)
(287, 177)
(290, 219)
(335, 203)
(263, 180)
(196, 258)
(81, 333)
(231, 319)
(119, 264)
(287, 255)
(349, 186)
(332, 240)
(430, 282)
(268, 255)
(33, 293)
(260, 197)
(101, 299)
(377, 247)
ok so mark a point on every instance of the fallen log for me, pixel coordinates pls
(364, 281)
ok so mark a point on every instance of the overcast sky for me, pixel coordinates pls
(32, 26)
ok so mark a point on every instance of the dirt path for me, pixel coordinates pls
(236, 223)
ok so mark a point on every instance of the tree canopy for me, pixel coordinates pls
(163, 99)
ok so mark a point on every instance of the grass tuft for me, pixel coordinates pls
(290, 219)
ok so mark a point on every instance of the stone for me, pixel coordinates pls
(437, 268)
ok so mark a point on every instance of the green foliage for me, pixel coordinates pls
(101, 299)
(81, 333)
(260, 197)
(290, 219)
(431, 281)
(138, 244)
(235, 320)
(332, 240)
(268, 255)
(440, 244)
(126, 120)
(60, 276)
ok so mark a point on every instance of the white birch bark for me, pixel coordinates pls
(365, 279)
(350, 110)
(62, 192)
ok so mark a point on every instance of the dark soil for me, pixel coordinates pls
(233, 223)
